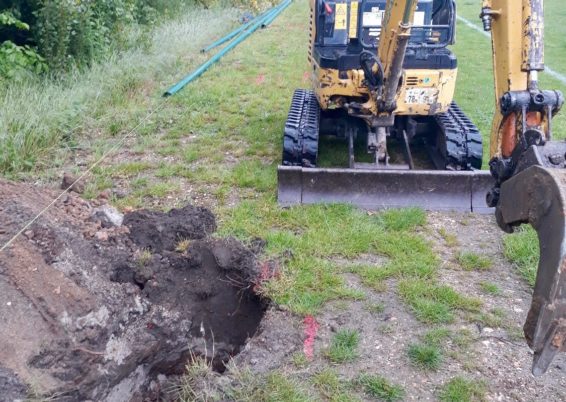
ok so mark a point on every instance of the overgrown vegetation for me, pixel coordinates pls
(64, 34)
(133, 49)
(74, 33)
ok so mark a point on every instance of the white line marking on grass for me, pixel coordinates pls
(550, 71)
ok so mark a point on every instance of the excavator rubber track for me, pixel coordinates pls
(462, 145)
(300, 140)
(457, 187)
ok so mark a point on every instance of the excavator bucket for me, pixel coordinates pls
(435, 190)
(537, 196)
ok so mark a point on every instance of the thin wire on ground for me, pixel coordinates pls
(112, 149)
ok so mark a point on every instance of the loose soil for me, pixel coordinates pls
(97, 310)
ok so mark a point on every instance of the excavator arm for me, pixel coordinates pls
(528, 167)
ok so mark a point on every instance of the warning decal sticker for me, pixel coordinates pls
(341, 15)
(353, 32)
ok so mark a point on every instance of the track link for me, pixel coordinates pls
(300, 141)
(463, 142)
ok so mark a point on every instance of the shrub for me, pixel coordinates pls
(16, 60)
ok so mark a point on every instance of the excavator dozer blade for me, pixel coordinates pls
(537, 196)
(433, 190)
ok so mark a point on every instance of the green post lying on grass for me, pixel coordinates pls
(269, 20)
(243, 36)
(236, 31)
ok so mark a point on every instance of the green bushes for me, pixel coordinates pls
(76, 32)
(16, 60)
(64, 34)
(69, 33)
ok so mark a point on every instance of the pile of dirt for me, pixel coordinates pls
(96, 305)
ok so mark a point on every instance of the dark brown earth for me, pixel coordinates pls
(96, 310)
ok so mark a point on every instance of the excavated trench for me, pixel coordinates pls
(105, 308)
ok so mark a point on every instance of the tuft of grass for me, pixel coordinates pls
(495, 318)
(196, 384)
(436, 336)
(191, 155)
(380, 388)
(489, 287)
(458, 389)
(143, 258)
(403, 219)
(276, 386)
(522, 249)
(375, 308)
(433, 303)
(299, 360)
(425, 356)
(332, 388)
(450, 239)
(157, 190)
(470, 261)
(182, 245)
(463, 338)
(343, 347)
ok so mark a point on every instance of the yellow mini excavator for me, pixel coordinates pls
(383, 75)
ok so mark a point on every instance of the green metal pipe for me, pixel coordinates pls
(269, 20)
(203, 67)
(236, 31)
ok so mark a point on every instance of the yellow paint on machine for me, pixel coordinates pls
(341, 15)
(353, 33)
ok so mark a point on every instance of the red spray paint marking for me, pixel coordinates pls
(311, 328)
(260, 79)
(306, 76)
(266, 273)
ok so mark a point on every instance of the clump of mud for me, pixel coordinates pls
(96, 306)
